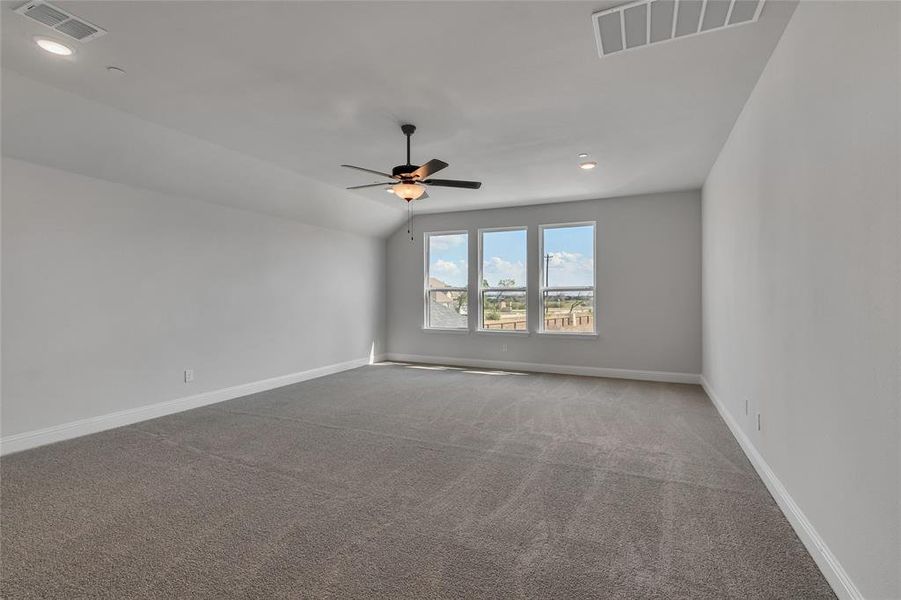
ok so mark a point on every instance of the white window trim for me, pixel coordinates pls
(427, 289)
(482, 290)
(593, 287)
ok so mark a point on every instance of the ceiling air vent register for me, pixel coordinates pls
(646, 22)
(60, 21)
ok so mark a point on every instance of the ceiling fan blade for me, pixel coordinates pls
(454, 183)
(369, 185)
(433, 166)
(370, 171)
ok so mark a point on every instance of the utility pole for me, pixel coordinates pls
(547, 266)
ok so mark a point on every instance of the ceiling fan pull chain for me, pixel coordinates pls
(410, 219)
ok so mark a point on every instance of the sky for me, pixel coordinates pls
(504, 257)
(572, 256)
(571, 262)
(447, 258)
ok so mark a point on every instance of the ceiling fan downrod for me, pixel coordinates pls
(408, 130)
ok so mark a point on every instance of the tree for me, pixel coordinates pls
(504, 283)
(579, 302)
(461, 299)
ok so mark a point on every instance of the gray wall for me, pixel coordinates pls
(110, 292)
(801, 278)
(648, 286)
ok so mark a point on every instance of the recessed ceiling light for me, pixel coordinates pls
(390, 190)
(53, 47)
(583, 155)
(588, 165)
(118, 72)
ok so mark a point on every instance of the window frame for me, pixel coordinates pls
(426, 246)
(592, 288)
(480, 328)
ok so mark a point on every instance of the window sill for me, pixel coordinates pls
(577, 336)
(520, 332)
(441, 330)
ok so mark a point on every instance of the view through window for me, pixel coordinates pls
(567, 278)
(446, 280)
(502, 289)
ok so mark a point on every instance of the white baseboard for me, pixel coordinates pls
(548, 368)
(65, 431)
(832, 569)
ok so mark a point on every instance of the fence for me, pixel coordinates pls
(549, 323)
(514, 325)
(566, 321)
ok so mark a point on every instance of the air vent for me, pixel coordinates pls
(61, 21)
(647, 22)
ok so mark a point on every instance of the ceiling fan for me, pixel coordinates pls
(409, 181)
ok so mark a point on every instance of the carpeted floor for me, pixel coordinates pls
(395, 481)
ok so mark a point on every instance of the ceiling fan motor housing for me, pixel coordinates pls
(401, 170)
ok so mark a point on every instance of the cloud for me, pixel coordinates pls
(496, 268)
(571, 261)
(570, 269)
(445, 267)
(452, 273)
(446, 242)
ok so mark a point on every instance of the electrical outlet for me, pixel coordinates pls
(189, 375)
(503, 347)
(758, 421)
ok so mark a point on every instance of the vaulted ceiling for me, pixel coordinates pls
(255, 104)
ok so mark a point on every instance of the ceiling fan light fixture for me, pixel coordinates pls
(408, 191)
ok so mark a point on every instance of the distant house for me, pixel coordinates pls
(443, 307)
(444, 298)
(444, 316)
(440, 297)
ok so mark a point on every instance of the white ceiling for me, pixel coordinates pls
(247, 103)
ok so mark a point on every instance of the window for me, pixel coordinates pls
(446, 273)
(567, 279)
(502, 280)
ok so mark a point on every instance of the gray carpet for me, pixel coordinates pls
(406, 482)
